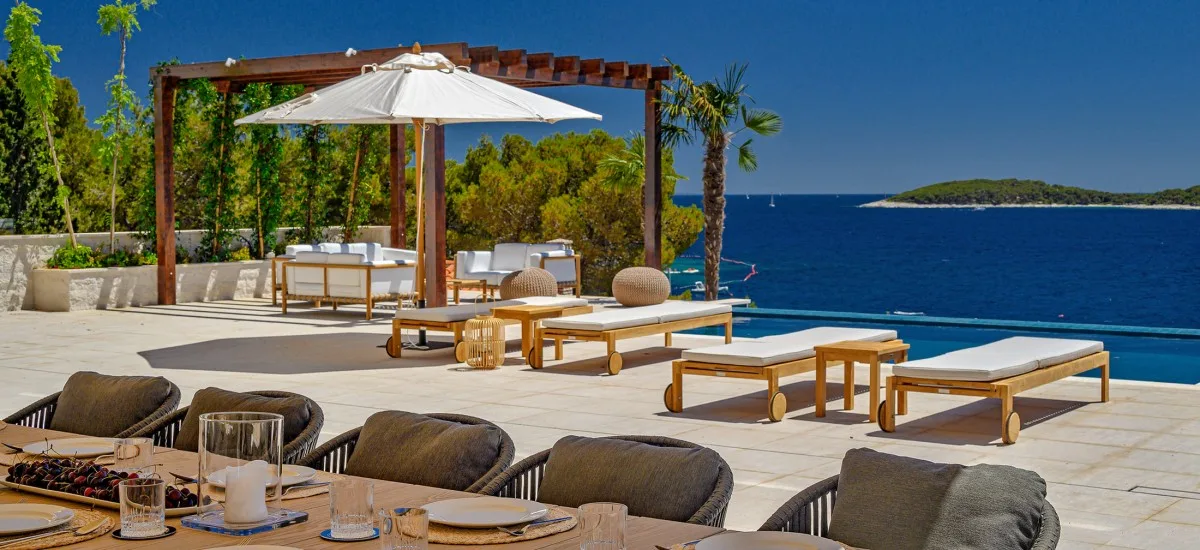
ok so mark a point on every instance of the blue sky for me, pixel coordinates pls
(876, 96)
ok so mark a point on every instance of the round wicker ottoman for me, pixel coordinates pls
(528, 282)
(640, 286)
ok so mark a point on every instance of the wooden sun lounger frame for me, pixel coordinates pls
(776, 401)
(1004, 389)
(456, 327)
(611, 337)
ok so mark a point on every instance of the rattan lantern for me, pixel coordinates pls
(483, 342)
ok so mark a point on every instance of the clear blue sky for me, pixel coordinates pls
(876, 96)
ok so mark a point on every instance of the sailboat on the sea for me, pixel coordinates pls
(772, 205)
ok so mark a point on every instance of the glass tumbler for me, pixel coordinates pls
(602, 526)
(404, 529)
(133, 454)
(143, 507)
(351, 508)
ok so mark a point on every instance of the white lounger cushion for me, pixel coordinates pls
(781, 348)
(624, 317)
(463, 312)
(1000, 359)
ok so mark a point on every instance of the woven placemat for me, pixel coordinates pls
(67, 536)
(444, 534)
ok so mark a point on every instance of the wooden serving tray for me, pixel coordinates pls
(171, 512)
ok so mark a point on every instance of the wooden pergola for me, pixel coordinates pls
(515, 67)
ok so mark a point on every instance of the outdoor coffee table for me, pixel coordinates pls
(457, 284)
(530, 317)
(851, 352)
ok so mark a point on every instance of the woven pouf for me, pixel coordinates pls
(640, 286)
(533, 281)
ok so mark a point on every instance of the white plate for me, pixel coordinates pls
(767, 540)
(292, 475)
(25, 518)
(72, 447)
(482, 512)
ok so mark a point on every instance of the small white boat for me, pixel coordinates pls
(699, 287)
(670, 271)
(691, 270)
(979, 209)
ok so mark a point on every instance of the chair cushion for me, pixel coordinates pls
(902, 503)
(668, 483)
(414, 448)
(1000, 359)
(510, 257)
(781, 348)
(104, 406)
(214, 400)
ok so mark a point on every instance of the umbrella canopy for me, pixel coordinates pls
(423, 87)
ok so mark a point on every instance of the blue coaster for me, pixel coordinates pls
(214, 522)
(328, 535)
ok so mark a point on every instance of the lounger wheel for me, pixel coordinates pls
(670, 403)
(1012, 428)
(614, 363)
(777, 407)
(882, 418)
(391, 349)
(460, 352)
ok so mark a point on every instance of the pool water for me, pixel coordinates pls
(1175, 360)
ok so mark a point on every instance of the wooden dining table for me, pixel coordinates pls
(640, 532)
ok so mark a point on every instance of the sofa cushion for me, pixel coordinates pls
(510, 257)
(999, 359)
(214, 400)
(414, 448)
(668, 483)
(104, 406)
(293, 249)
(902, 503)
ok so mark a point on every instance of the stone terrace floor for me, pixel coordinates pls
(1123, 474)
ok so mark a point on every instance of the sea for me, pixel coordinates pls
(1078, 265)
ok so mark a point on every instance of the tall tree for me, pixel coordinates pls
(715, 112)
(22, 157)
(217, 180)
(32, 60)
(119, 18)
(266, 152)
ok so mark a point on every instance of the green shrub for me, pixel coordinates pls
(240, 255)
(72, 257)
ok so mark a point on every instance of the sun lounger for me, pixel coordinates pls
(1000, 369)
(619, 323)
(768, 358)
(453, 318)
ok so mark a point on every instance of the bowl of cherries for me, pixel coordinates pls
(86, 479)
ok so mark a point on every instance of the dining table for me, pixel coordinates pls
(641, 532)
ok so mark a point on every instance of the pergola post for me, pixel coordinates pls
(164, 185)
(396, 164)
(652, 189)
(435, 215)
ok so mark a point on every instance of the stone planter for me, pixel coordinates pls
(107, 287)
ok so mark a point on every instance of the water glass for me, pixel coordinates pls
(404, 529)
(351, 508)
(133, 454)
(143, 507)
(602, 526)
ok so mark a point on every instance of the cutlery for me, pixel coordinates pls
(82, 530)
(14, 448)
(184, 479)
(520, 529)
(683, 545)
(308, 485)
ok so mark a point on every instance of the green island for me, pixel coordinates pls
(1015, 192)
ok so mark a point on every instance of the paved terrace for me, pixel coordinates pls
(1123, 474)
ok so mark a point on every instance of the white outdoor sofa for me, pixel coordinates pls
(1001, 369)
(618, 323)
(454, 318)
(492, 265)
(355, 273)
(768, 358)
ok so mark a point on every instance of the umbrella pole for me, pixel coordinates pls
(419, 150)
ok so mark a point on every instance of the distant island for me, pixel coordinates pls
(1032, 193)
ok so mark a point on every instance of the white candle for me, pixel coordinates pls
(246, 492)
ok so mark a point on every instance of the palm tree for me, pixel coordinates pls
(715, 111)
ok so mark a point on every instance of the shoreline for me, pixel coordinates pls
(890, 204)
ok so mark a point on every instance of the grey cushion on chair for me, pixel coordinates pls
(414, 448)
(104, 406)
(902, 503)
(214, 400)
(660, 482)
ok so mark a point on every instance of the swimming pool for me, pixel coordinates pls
(1138, 353)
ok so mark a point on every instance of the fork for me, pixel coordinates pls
(520, 529)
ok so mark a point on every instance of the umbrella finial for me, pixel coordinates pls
(416, 47)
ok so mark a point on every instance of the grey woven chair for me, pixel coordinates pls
(335, 454)
(166, 429)
(524, 479)
(40, 413)
(810, 510)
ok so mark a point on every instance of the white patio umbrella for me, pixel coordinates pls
(419, 89)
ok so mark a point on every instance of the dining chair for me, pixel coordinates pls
(451, 451)
(657, 477)
(101, 405)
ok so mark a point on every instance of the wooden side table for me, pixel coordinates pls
(530, 317)
(862, 352)
(454, 285)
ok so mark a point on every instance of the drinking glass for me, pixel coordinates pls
(351, 508)
(602, 526)
(404, 529)
(143, 507)
(133, 454)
